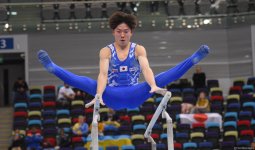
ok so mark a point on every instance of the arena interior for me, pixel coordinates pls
(73, 32)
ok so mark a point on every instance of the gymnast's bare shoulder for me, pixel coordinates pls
(105, 53)
(140, 51)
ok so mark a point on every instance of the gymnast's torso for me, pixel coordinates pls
(126, 72)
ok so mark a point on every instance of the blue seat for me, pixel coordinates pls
(67, 130)
(212, 124)
(35, 105)
(245, 115)
(88, 139)
(230, 116)
(47, 113)
(35, 97)
(50, 132)
(227, 144)
(190, 99)
(246, 98)
(161, 146)
(79, 148)
(230, 125)
(34, 122)
(188, 92)
(47, 122)
(248, 89)
(163, 135)
(67, 148)
(158, 99)
(133, 111)
(49, 96)
(212, 83)
(110, 127)
(112, 148)
(208, 145)
(123, 137)
(189, 145)
(139, 128)
(63, 112)
(143, 146)
(108, 137)
(176, 92)
(77, 112)
(249, 106)
(182, 137)
(183, 127)
(128, 147)
(243, 143)
(233, 107)
(20, 105)
(212, 136)
(157, 128)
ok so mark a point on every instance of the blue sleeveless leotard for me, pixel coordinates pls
(126, 72)
(120, 97)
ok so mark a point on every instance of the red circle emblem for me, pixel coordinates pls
(200, 117)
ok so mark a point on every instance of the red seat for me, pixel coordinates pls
(246, 123)
(247, 132)
(49, 89)
(148, 117)
(125, 119)
(76, 139)
(177, 146)
(155, 136)
(51, 141)
(49, 104)
(247, 135)
(235, 90)
(88, 110)
(216, 98)
(198, 127)
(75, 120)
(20, 114)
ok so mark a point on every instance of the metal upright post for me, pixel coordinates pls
(94, 130)
(162, 106)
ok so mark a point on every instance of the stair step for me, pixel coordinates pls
(6, 114)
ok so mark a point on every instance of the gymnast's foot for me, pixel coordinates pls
(202, 52)
(45, 60)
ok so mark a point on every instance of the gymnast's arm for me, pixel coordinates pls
(147, 72)
(103, 70)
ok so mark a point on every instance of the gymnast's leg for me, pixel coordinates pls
(84, 83)
(176, 72)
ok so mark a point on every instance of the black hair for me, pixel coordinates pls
(122, 17)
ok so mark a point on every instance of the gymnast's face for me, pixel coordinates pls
(122, 34)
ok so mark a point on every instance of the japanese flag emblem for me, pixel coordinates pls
(123, 68)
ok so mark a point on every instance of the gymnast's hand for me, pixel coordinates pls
(158, 90)
(94, 100)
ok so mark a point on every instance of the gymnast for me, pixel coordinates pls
(120, 66)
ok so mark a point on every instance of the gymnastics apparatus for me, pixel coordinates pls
(127, 96)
